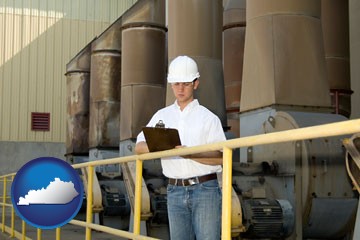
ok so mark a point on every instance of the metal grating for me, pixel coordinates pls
(40, 121)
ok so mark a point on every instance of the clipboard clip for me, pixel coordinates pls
(160, 124)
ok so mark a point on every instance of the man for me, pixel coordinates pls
(193, 192)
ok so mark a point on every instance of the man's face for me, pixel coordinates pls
(184, 91)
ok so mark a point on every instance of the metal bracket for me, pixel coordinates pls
(249, 151)
(271, 120)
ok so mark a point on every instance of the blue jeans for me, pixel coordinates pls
(194, 211)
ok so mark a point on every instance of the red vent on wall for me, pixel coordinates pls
(40, 121)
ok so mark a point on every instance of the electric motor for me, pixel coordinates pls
(265, 218)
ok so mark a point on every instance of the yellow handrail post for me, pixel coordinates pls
(89, 213)
(3, 207)
(58, 233)
(38, 234)
(226, 194)
(23, 230)
(138, 185)
(12, 216)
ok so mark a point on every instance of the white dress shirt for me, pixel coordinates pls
(197, 126)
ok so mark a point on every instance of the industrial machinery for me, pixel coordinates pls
(302, 177)
(276, 79)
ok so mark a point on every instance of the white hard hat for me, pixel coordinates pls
(182, 69)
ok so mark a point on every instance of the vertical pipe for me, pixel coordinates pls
(89, 210)
(138, 186)
(3, 207)
(226, 193)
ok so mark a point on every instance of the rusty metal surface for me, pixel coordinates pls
(77, 102)
(105, 93)
(81, 62)
(105, 81)
(77, 121)
(105, 76)
(143, 67)
(104, 124)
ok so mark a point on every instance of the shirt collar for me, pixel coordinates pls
(188, 107)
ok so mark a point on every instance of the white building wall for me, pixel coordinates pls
(37, 39)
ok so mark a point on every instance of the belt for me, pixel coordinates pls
(193, 180)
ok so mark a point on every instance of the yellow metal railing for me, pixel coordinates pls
(326, 130)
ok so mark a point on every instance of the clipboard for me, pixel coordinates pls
(160, 138)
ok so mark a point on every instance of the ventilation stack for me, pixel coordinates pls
(335, 24)
(105, 80)
(284, 62)
(285, 86)
(78, 117)
(105, 83)
(234, 40)
(195, 29)
(142, 94)
(77, 106)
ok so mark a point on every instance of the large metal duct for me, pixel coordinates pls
(143, 66)
(284, 60)
(335, 24)
(105, 82)
(142, 93)
(77, 102)
(285, 87)
(195, 29)
(234, 40)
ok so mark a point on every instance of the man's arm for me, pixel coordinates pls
(141, 147)
(208, 158)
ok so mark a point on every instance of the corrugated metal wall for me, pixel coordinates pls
(37, 39)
